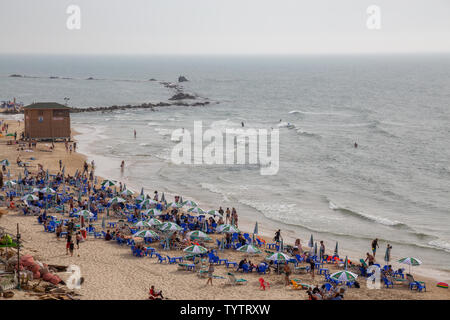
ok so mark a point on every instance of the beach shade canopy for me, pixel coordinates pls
(278, 257)
(5, 162)
(154, 222)
(227, 228)
(255, 230)
(148, 202)
(36, 190)
(127, 192)
(117, 200)
(108, 183)
(411, 262)
(196, 210)
(142, 224)
(170, 226)
(190, 203)
(153, 212)
(85, 213)
(10, 183)
(215, 213)
(336, 249)
(174, 205)
(249, 248)
(197, 234)
(29, 197)
(344, 276)
(195, 249)
(346, 263)
(146, 234)
(47, 190)
(140, 198)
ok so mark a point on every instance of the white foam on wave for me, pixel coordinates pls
(440, 244)
(215, 189)
(163, 131)
(286, 125)
(380, 220)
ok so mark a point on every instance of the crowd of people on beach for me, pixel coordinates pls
(71, 195)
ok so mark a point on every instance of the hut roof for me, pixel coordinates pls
(46, 105)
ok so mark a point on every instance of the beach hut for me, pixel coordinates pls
(47, 121)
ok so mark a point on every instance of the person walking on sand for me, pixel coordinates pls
(370, 258)
(71, 247)
(312, 265)
(210, 274)
(135, 133)
(68, 241)
(60, 164)
(70, 149)
(122, 166)
(287, 273)
(375, 246)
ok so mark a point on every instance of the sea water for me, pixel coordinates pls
(394, 186)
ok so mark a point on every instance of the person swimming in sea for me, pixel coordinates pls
(356, 145)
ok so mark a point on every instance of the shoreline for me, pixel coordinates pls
(162, 275)
(247, 223)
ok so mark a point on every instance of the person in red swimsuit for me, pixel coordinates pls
(155, 295)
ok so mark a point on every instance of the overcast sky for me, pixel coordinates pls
(224, 26)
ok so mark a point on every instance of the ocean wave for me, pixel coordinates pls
(286, 125)
(368, 217)
(163, 131)
(319, 113)
(308, 134)
(215, 189)
(440, 244)
(153, 124)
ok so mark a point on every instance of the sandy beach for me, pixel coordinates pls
(112, 272)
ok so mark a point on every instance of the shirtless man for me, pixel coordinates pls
(371, 259)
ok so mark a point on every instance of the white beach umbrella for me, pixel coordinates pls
(47, 190)
(154, 222)
(153, 212)
(10, 184)
(190, 203)
(142, 224)
(195, 249)
(410, 262)
(215, 213)
(249, 248)
(196, 210)
(127, 192)
(197, 234)
(279, 257)
(29, 197)
(148, 202)
(170, 226)
(108, 183)
(117, 200)
(344, 276)
(174, 205)
(227, 228)
(146, 234)
(85, 213)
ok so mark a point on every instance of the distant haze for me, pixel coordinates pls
(224, 27)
